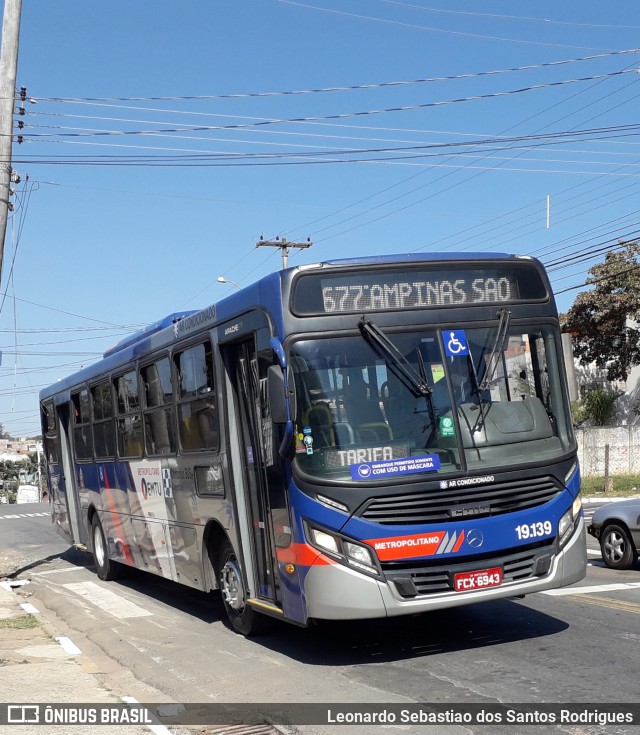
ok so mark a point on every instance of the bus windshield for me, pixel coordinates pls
(429, 401)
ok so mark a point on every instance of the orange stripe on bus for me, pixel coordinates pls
(303, 555)
(459, 543)
(115, 518)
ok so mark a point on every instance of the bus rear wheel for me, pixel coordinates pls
(105, 568)
(243, 618)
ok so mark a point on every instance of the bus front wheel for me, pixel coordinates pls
(243, 618)
(105, 568)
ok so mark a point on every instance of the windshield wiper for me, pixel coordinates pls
(417, 381)
(504, 316)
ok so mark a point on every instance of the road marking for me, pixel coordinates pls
(158, 728)
(565, 591)
(55, 571)
(29, 608)
(11, 584)
(107, 601)
(68, 646)
(632, 607)
(22, 515)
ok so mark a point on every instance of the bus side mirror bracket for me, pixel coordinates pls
(282, 402)
(282, 397)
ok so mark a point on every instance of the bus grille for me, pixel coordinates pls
(457, 504)
(418, 578)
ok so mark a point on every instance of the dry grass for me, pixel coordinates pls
(21, 622)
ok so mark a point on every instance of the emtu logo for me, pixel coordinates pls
(150, 489)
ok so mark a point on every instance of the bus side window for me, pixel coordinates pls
(197, 412)
(102, 402)
(82, 438)
(158, 411)
(128, 424)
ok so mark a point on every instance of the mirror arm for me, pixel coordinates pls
(287, 442)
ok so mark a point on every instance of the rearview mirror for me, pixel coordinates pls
(280, 394)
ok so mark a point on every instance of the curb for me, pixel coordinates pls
(40, 666)
(607, 499)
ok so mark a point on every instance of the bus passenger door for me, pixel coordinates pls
(65, 497)
(246, 403)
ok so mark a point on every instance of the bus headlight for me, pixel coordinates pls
(359, 557)
(358, 553)
(323, 540)
(352, 554)
(567, 523)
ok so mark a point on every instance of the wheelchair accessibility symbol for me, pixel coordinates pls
(455, 343)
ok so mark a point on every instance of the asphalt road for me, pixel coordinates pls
(578, 645)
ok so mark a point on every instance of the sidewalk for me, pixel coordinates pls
(39, 666)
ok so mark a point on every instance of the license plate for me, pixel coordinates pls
(478, 580)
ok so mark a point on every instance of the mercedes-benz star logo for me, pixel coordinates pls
(475, 538)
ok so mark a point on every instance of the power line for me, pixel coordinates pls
(345, 115)
(78, 316)
(429, 28)
(586, 255)
(343, 88)
(392, 154)
(52, 354)
(474, 176)
(518, 18)
(598, 280)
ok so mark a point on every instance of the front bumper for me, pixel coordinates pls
(335, 592)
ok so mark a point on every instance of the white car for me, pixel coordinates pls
(28, 494)
(617, 528)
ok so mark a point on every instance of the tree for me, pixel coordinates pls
(32, 467)
(602, 321)
(599, 406)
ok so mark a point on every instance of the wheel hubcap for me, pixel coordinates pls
(98, 546)
(232, 587)
(614, 546)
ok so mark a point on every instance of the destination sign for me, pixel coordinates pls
(417, 289)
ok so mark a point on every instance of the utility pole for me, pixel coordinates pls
(8, 73)
(284, 246)
(39, 472)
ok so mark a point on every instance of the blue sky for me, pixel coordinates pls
(153, 158)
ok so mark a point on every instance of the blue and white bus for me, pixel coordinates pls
(352, 439)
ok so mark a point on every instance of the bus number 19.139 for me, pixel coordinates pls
(534, 530)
